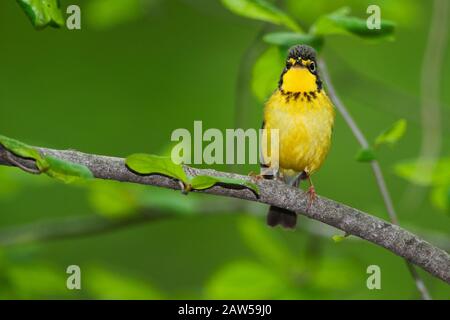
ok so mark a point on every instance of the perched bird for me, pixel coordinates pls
(304, 115)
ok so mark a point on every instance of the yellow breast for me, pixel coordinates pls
(305, 123)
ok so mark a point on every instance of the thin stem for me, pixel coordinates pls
(341, 107)
(432, 66)
(72, 227)
(243, 80)
(93, 225)
(242, 103)
(375, 168)
(384, 191)
(12, 159)
(431, 118)
(420, 285)
(253, 51)
(271, 192)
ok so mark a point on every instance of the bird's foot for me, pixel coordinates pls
(312, 197)
(255, 176)
(261, 176)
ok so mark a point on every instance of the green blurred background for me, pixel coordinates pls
(136, 71)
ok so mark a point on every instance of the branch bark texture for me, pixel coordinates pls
(350, 220)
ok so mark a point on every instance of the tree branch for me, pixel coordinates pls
(73, 227)
(94, 225)
(352, 221)
(376, 169)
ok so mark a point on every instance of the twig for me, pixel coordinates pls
(93, 225)
(375, 168)
(12, 158)
(73, 227)
(432, 66)
(243, 99)
(248, 59)
(352, 221)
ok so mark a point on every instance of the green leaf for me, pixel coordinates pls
(107, 284)
(56, 168)
(425, 172)
(289, 39)
(19, 148)
(35, 281)
(152, 164)
(336, 274)
(339, 22)
(205, 182)
(267, 245)
(261, 10)
(164, 200)
(365, 155)
(104, 14)
(64, 171)
(338, 238)
(246, 280)
(393, 134)
(266, 73)
(112, 199)
(43, 13)
(440, 198)
(9, 186)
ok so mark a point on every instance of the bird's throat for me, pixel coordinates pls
(299, 79)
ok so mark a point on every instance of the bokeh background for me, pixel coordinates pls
(136, 71)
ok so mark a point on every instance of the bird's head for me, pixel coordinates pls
(300, 73)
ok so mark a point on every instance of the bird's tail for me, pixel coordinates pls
(280, 216)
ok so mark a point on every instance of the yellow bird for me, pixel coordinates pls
(304, 116)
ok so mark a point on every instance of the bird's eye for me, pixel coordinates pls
(312, 67)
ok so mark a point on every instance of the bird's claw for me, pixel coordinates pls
(255, 176)
(312, 197)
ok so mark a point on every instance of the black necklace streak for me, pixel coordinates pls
(300, 53)
(308, 96)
